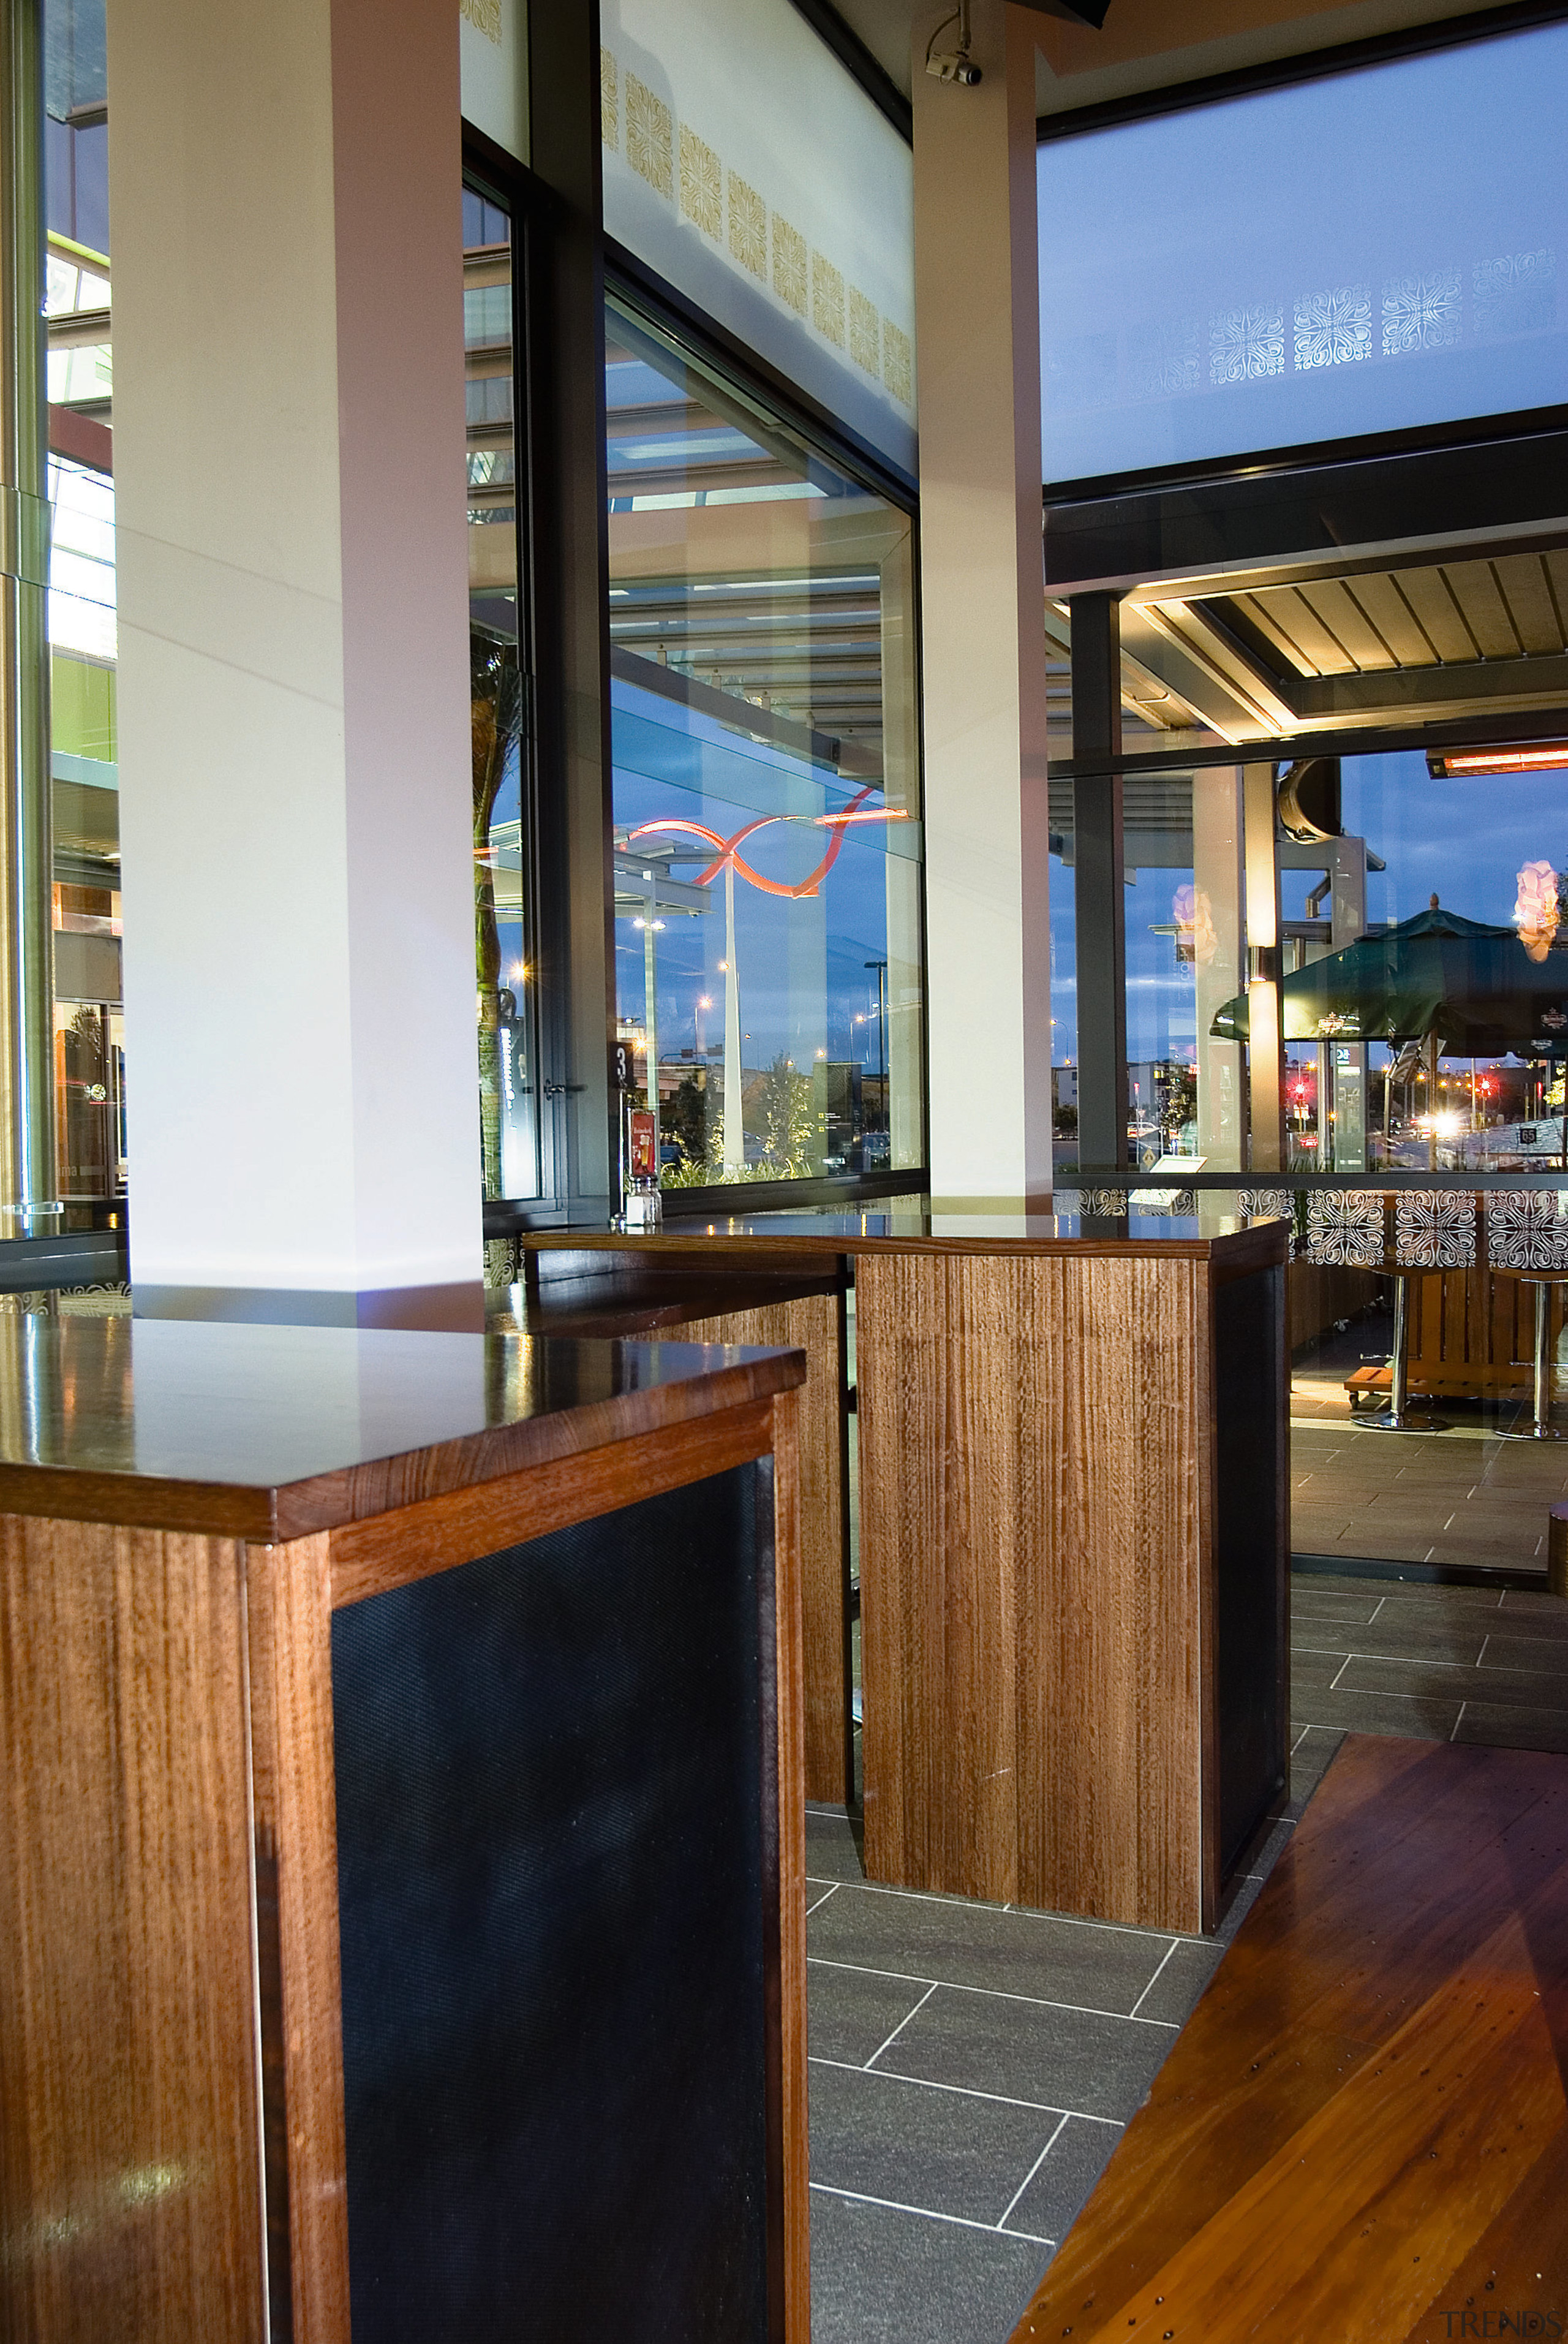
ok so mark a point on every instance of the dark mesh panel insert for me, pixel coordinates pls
(549, 1814)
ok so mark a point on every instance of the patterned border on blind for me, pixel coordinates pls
(1525, 1230)
(1344, 1228)
(805, 281)
(1434, 1228)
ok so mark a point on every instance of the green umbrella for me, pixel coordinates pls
(1474, 989)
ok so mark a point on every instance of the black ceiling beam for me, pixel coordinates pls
(1506, 729)
(1322, 513)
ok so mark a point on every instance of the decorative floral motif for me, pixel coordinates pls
(1525, 1231)
(865, 337)
(1105, 1204)
(701, 184)
(827, 298)
(898, 364)
(608, 99)
(650, 136)
(1336, 327)
(1344, 1228)
(1420, 313)
(1264, 1204)
(1516, 294)
(789, 264)
(484, 15)
(1434, 1229)
(1245, 344)
(748, 227)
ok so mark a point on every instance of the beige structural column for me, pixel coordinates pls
(1265, 1044)
(1219, 961)
(988, 938)
(294, 715)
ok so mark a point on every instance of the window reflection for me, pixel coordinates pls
(508, 1122)
(769, 967)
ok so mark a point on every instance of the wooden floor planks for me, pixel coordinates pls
(1362, 2134)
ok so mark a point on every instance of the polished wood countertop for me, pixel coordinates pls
(908, 1225)
(269, 1433)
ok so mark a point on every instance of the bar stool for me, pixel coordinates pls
(1433, 1230)
(1527, 1240)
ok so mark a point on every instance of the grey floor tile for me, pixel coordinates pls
(1309, 1762)
(1060, 2187)
(1371, 1713)
(1510, 1729)
(1551, 1612)
(832, 1845)
(882, 2276)
(1509, 1687)
(944, 2151)
(965, 1943)
(852, 2013)
(1411, 1635)
(1517, 1649)
(1073, 2059)
(1179, 1984)
(1237, 1899)
(1308, 1602)
(1315, 1670)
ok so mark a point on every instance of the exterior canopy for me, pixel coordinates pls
(1473, 988)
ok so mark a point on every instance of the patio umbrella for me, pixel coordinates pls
(1438, 978)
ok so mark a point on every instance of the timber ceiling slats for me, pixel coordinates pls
(1522, 579)
(1477, 593)
(1388, 607)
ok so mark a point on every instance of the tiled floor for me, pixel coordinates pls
(1459, 1496)
(972, 2066)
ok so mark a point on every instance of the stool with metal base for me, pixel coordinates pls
(1540, 1427)
(1395, 1417)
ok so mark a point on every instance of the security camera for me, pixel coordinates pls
(954, 66)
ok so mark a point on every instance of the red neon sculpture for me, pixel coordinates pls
(729, 855)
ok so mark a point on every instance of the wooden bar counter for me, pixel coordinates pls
(401, 1838)
(1073, 1541)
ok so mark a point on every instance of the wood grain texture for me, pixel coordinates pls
(815, 1324)
(1363, 2131)
(801, 1235)
(289, 1602)
(129, 2103)
(368, 1557)
(1036, 1580)
(502, 1404)
(789, 1661)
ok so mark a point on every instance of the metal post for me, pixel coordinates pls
(27, 1141)
(651, 1017)
(1400, 1355)
(1099, 880)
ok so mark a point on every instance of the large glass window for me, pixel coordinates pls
(1376, 250)
(503, 851)
(767, 805)
(89, 1025)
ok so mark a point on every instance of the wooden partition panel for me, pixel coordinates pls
(1035, 1457)
(129, 2132)
(814, 1323)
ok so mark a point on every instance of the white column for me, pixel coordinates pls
(293, 724)
(1220, 966)
(983, 601)
(1265, 1029)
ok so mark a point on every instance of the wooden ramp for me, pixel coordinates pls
(1362, 2135)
